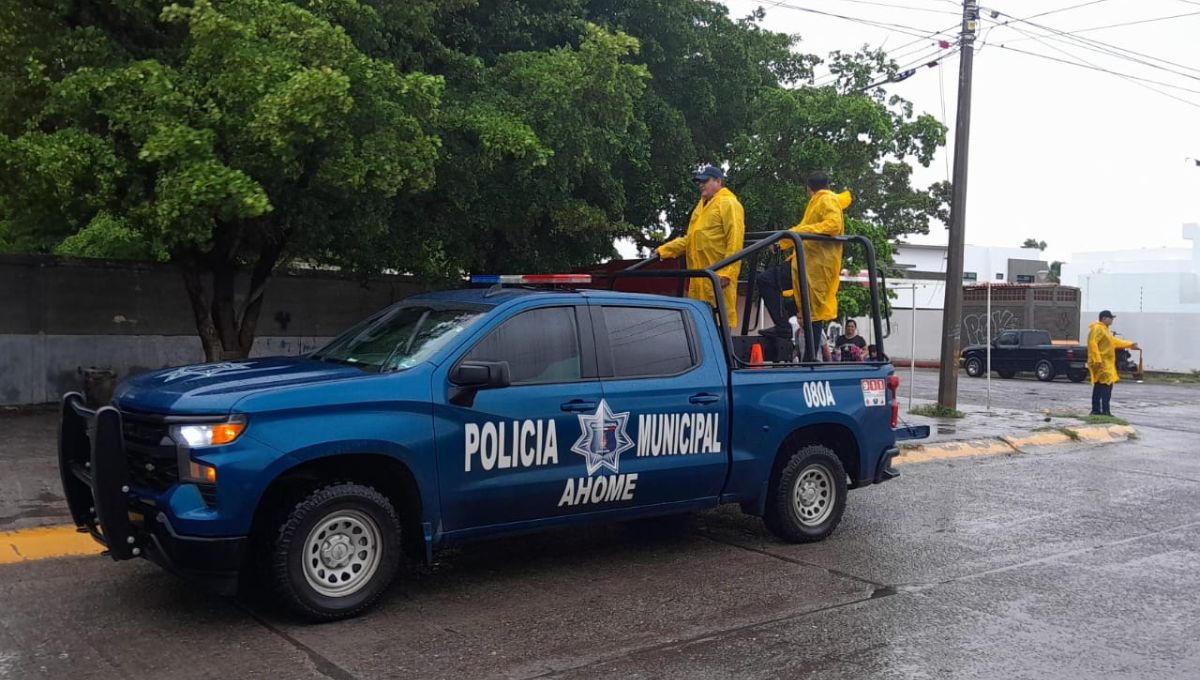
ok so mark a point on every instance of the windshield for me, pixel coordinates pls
(399, 338)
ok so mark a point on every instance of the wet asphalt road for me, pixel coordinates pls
(1079, 563)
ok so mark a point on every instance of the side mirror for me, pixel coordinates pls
(481, 374)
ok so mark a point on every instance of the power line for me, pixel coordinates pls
(893, 6)
(899, 28)
(1075, 56)
(908, 72)
(1077, 31)
(1064, 9)
(1094, 45)
(1141, 81)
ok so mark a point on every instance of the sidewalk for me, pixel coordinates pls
(1000, 431)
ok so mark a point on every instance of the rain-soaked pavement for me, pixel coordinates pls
(1080, 563)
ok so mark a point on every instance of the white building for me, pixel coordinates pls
(925, 267)
(1155, 294)
(1163, 280)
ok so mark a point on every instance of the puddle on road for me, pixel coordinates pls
(946, 429)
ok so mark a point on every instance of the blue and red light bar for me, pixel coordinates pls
(530, 279)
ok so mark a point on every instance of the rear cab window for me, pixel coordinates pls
(650, 342)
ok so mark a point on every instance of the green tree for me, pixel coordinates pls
(1034, 243)
(224, 137)
(1056, 271)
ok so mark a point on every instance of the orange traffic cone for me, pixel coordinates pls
(756, 355)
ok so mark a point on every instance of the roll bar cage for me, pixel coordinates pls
(760, 241)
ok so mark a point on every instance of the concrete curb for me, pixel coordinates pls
(1013, 444)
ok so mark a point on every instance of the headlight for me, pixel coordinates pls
(188, 437)
(210, 434)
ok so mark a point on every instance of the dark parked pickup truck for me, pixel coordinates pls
(1027, 351)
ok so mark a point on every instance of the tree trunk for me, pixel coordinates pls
(226, 332)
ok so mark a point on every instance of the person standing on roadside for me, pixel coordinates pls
(1102, 361)
(715, 232)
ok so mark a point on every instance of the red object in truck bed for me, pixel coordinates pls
(669, 286)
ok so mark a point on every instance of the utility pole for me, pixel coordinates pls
(952, 309)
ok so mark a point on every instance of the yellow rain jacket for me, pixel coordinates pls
(1102, 353)
(822, 260)
(714, 233)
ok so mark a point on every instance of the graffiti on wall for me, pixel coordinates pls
(975, 330)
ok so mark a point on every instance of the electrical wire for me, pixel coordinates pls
(926, 59)
(1075, 56)
(893, 6)
(945, 119)
(908, 72)
(899, 28)
(1097, 45)
(1135, 79)
(1064, 9)
(1077, 31)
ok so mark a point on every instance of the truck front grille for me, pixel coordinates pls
(153, 460)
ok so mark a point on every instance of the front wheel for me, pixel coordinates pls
(974, 367)
(1044, 371)
(337, 552)
(808, 496)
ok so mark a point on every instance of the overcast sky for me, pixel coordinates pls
(1080, 159)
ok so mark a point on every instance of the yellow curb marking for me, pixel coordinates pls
(42, 543)
(1038, 439)
(920, 454)
(1010, 445)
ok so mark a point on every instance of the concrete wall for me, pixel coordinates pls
(1168, 341)
(898, 345)
(57, 315)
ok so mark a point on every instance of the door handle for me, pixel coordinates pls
(704, 398)
(578, 406)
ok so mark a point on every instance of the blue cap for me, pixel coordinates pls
(709, 172)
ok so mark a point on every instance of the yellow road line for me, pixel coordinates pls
(43, 543)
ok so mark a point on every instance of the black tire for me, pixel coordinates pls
(1006, 374)
(975, 367)
(815, 471)
(1044, 371)
(352, 514)
(1077, 376)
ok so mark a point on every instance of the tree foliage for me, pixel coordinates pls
(428, 136)
(1034, 243)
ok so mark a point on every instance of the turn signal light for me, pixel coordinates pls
(226, 433)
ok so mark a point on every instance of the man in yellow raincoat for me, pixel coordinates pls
(715, 232)
(1102, 361)
(823, 261)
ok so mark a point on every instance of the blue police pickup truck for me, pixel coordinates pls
(462, 414)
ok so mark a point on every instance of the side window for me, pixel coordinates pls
(1009, 339)
(540, 346)
(646, 341)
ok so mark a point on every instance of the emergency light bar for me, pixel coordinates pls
(530, 279)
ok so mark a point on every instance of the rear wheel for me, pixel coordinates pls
(1044, 371)
(1077, 376)
(808, 496)
(336, 552)
(975, 367)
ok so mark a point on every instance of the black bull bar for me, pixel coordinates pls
(95, 475)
